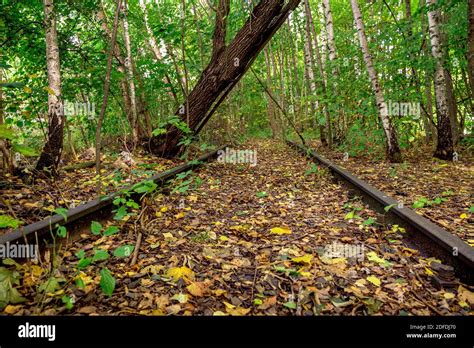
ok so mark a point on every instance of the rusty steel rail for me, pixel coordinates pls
(97, 208)
(425, 235)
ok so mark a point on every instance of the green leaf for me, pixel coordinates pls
(124, 251)
(111, 230)
(80, 283)
(290, 305)
(96, 227)
(262, 194)
(471, 209)
(80, 254)
(83, 263)
(68, 301)
(62, 212)
(349, 215)
(61, 231)
(368, 222)
(100, 255)
(50, 285)
(388, 207)
(107, 282)
(8, 294)
(7, 221)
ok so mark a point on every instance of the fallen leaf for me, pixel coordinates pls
(180, 272)
(280, 230)
(374, 280)
(303, 259)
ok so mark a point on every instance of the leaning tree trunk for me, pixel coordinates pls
(225, 69)
(444, 148)
(393, 150)
(51, 154)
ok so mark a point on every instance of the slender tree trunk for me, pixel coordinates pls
(470, 44)
(121, 66)
(225, 70)
(322, 73)
(444, 149)
(393, 150)
(271, 107)
(51, 155)
(311, 82)
(106, 91)
(156, 51)
(129, 71)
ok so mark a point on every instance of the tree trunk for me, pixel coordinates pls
(271, 106)
(393, 150)
(106, 92)
(444, 149)
(156, 51)
(225, 70)
(470, 44)
(309, 72)
(320, 65)
(129, 71)
(51, 154)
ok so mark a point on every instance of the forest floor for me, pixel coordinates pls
(30, 201)
(245, 240)
(441, 191)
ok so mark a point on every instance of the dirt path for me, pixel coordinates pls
(255, 240)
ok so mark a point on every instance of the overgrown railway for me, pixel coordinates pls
(248, 251)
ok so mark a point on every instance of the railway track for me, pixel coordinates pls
(97, 209)
(423, 234)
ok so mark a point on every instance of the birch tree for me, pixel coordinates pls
(51, 154)
(393, 150)
(444, 148)
(129, 71)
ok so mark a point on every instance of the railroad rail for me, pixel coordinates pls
(82, 215)
(425, 235)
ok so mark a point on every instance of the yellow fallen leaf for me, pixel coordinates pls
(164, 209)
(280, 230)
(220, 292)
(448, 295)
(238, 311)
(219, 314)
(332, 261)
(180, 272)
(303, 259)
(428, 271)
(229, 305)
(196, 289)
(179, 215)
(168, 235)
(223, 238)
(374, 280)
(10, 309)
(463, 216)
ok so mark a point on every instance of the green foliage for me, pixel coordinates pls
(7, 221)
(107, 282)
